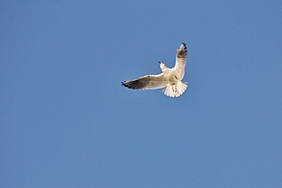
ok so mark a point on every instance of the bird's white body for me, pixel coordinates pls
(169, 79)
(175, 87)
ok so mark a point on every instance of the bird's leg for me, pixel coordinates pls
(174, 89)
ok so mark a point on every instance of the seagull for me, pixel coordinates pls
(169, 79)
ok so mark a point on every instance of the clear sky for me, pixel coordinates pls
(66, 121)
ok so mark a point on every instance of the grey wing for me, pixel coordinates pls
(180, 63)
(146, 82)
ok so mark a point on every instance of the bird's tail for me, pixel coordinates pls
(175, 90)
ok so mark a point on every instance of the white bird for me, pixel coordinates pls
(169, 79)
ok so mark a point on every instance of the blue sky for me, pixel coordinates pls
(66, 121)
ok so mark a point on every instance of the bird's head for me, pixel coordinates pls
(162, 65)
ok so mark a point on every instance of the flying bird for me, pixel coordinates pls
(170, 79)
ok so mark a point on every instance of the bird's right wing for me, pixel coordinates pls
(146, 82)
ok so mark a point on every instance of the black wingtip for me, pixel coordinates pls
(125, 85)
(184, 46)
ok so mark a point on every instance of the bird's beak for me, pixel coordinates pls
(160, 62)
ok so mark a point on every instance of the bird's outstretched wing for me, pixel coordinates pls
(181, 57)
(146, 82)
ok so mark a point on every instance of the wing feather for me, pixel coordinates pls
(146, 82)
(180, 63)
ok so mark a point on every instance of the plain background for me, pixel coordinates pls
(66, 121)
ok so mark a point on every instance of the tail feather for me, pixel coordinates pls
(175, 91)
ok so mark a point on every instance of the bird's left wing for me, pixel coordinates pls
(146, 82)
(180, 63)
